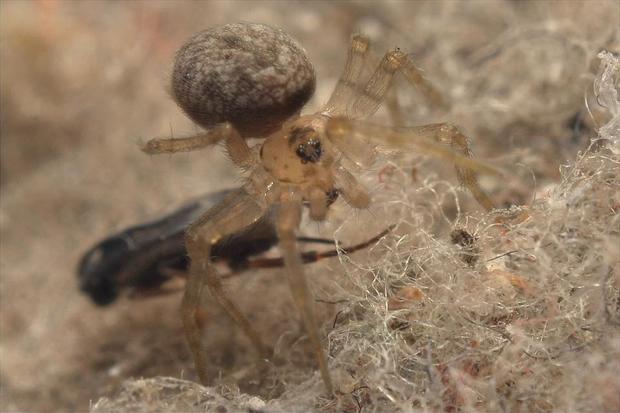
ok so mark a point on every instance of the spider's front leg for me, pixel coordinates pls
(236, 212)
(353, 138)
(347, 87)
(373, 94)
(288, 220)
(450, 134)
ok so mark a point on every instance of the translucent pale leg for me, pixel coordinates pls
(318, 203)
(346, 89)
(352, 191)
(344, 132)
(237, 211)
(378, 84)
(416, 78)
(289, 217)
(236, 146)
(447, 133)
(394, 109)
(354, 134)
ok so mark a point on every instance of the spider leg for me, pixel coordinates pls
(416, 78)
(237, 211)
(448, 133)
(288, 219)
(374, 92)
(394, 108)
(428, 138)
(352, 191)
(345, 133)
(344, 93)
(236, 146)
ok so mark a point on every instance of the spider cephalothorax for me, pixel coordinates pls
(301, 157)
(268, 79)
(299, 154)
(307, 143)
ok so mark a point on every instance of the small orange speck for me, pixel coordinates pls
(516, 281)
(404, 297)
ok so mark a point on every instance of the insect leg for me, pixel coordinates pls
(308, 257)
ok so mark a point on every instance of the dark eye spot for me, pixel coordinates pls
(332, 196)
(309, 151)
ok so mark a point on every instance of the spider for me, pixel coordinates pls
(248, 80)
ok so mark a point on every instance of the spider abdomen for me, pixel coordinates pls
(251, 75)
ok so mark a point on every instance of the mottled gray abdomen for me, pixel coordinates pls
(251, 75)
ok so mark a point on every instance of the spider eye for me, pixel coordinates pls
(332, 196)
(309, 151)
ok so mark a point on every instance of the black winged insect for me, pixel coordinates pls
(140, 259)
